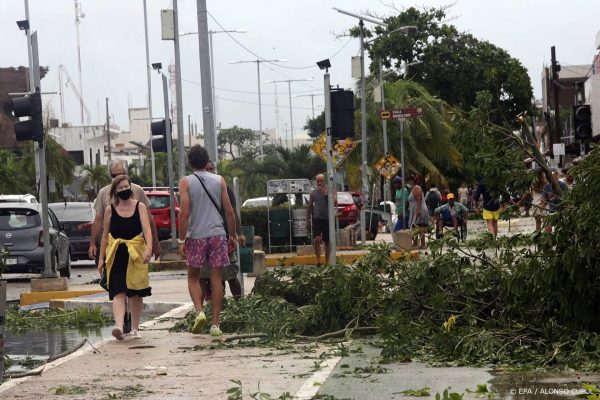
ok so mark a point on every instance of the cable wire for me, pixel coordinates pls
(262, 58)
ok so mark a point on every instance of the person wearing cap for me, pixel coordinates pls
(401, 200)
(449, 215)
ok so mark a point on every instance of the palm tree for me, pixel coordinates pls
(96, 177)
(427, 140)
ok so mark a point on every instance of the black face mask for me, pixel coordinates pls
(124, 194)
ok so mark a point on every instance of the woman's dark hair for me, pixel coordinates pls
(198, 157)
(113, 187)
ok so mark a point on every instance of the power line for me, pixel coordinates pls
(242, 91)
(265, 60)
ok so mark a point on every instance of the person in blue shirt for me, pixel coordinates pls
(450, 214)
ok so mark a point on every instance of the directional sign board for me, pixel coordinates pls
(401, 113)
(387, 166)
(341, 149)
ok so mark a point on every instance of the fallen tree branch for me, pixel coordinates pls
(15, 375)
(66, 353)
(245, 336)
(339, 333)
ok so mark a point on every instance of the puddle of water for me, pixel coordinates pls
(542, 385)
(39, 345)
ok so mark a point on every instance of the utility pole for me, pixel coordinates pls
(555, 137)
(178, 93)
(330, 170)
(108, 128)
(148, 71)
(208, 119)
(190, 134)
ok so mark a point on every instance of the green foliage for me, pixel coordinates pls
(493, 151)
(454, 65)
(44, 319)
(315, 126)
(423, 392)
(243, 139)
(257, 217)
(70, 390)
(565, 279)
(448, 396)
(236, 392)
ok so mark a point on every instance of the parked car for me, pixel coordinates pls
(347, 210)
(17, 198)
(160, 208)
(76, 218)
(258, 202)
(21, 235)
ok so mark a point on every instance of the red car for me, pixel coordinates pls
(160, 207)
(347, 210)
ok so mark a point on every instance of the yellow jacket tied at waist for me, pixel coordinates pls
(137, 272)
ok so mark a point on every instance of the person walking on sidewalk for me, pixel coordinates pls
(125, 250)
(116, 168)
(317, 214)
(230, 273)
(202, 234)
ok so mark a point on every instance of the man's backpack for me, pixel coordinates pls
(432, 199)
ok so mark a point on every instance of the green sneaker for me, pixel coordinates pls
(199, 323)
(215, 331)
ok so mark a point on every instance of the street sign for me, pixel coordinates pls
(385, 114)
(401, 113)
(387, 166)
(341, 149)
(558, 149)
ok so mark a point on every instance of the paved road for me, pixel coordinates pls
(83, 272)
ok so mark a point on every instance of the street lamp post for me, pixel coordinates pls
(312, 101)
(258, 61)
(289, 82)
(212, 74)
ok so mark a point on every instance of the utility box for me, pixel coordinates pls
(167, 24)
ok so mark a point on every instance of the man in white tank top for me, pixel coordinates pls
(202, 233)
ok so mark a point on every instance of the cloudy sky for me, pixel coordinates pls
(299, 31)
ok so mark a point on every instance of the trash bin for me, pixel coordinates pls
(279, 224)
(371, 223)
(247, 252)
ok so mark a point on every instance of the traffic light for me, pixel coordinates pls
(582, 122)
(159, 128)
(342, 114)
(28, 106)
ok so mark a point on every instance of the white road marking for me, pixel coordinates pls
(311, 386)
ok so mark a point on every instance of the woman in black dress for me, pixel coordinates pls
(126, 249)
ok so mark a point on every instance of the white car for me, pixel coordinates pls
(17, 198)
(258, 202)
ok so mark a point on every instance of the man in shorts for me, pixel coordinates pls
(230, 273)
(317, 214)
(202, 234)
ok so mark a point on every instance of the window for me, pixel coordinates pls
(12, 219)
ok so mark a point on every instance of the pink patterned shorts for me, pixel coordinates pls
(212, 249)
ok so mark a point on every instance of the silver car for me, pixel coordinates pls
(21, 235)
